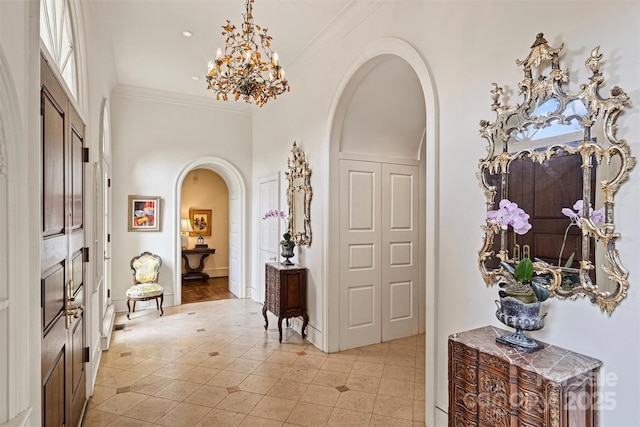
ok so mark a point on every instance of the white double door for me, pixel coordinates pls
(269, 229)
(379, 252)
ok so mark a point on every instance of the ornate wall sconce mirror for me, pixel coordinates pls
(557, 156)
(299, 197)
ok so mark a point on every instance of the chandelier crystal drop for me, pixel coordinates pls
(248, 69)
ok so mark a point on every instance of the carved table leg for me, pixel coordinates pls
(280, 327)
(264, 314)
(305, 317)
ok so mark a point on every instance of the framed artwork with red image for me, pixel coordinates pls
(144, 213)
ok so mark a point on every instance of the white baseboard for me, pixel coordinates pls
(442, 417)
(23, 419)
(107, 327)
(217, 272)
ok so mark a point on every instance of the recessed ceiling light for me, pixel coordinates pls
(195, 78)
(187, 33)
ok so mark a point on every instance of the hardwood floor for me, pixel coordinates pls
(216, 288)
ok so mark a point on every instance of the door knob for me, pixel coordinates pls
(70, 309)
(74, 310)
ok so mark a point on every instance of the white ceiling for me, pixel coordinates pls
(149, 50)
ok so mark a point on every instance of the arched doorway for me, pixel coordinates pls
(427, 153)
(237, 222)
(205, 209)
(19, 333)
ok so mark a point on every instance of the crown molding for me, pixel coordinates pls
(146, 94)
(342, 24)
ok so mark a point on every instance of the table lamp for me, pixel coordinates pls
(185, 229)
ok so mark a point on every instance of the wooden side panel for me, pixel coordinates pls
(53, 295)
(77, 382)
(77, 178)
(294, 292)
(53, 188)
(54, 394)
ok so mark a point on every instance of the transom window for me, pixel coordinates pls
(57, 36)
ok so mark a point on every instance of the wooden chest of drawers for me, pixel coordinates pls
(494, 385)
(285, 294)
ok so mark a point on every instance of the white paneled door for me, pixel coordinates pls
(269, 228)
(360, 241)
(378, 252)
(400, 267)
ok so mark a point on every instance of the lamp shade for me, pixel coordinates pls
(185, 225)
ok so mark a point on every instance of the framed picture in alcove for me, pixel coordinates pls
(144, 213)
(200, 222)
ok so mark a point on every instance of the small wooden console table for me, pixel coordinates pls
(196, 272)
(285, 294)
(491, 384)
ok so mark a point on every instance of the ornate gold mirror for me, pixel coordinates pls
(299, 197)
(557, 157)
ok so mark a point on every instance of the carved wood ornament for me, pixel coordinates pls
(299, 194)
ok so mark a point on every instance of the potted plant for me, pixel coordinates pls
(287, 248)
(519, 305)
(286, 243)
(522, 291)
(526, 287)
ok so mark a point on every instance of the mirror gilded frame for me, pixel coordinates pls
(299, 195)
(604, 164)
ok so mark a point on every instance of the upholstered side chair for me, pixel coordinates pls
(146, 270)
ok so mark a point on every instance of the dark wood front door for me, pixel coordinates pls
(543, 190)
(62, 257)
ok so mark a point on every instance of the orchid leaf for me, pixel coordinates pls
(508, 267)
(569, 261)
(539, 289)
(524, 270)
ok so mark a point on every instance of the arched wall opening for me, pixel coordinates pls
(19, 336)
(204, 192)
(237, 222)
(375, 55)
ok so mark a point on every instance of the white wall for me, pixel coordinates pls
(466, 46)
(100, 79)
(155, 136)
(20, 377)
(19, 41)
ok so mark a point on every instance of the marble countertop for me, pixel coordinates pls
(553, 363)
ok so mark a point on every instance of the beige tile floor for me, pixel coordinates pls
(213, 364)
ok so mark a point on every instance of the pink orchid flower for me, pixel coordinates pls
(509, 214)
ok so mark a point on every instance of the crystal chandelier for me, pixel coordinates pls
(246, 70)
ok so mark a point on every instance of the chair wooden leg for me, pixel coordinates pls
(128, 309)
(161, 301)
